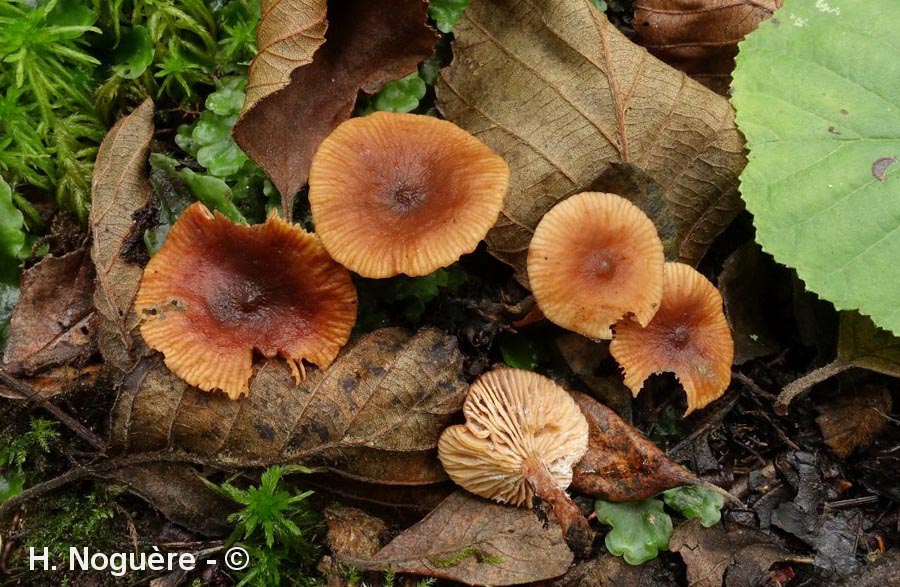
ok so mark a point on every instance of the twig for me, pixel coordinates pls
(802, 385)
(713, 418)
(74, 425)
(753, 385)
(848, 503)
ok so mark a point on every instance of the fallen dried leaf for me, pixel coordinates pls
(353, 533)
(120, 187)
(716, 557)
(559, 93)
(374, 415)
(302, 84)
(477, 542)
(699, 37)
(613, 571)
(178, 492)
(56, 380)
(749, 283)
(855, 419)
(621, 464)
(54, 322)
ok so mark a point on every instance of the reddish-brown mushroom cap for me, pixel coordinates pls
(522, 437)
(689, 336)
(216, 291)
(403, 193)
(595, 258)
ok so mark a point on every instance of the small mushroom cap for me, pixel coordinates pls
(217, 290)
(513, 416)
(689, 336)
(403, 193)
(594, 258)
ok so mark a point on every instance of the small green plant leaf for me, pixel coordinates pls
(213, 192)
(599, 5)
(209, 140)
(862, 344)
(12, 234)
(817, 94)
(400, 95)
(524, 351)
(639, 529)
(446, 13)
(134, 54)
(692, 502)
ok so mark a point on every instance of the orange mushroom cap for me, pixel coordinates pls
(403, 193)
(689, 336)
(217, 290)
(595, 258)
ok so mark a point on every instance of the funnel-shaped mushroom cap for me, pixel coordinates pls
(595, 258)
(514, 418)
(403, 193)
(217, 290)
(689, 336)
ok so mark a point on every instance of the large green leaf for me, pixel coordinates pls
(817, 93)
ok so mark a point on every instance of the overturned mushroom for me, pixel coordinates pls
(595, 258)
(688, 336)
(217, 290)
(522, 436)
(403, 193)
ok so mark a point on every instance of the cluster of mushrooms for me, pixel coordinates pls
(385, 203)
(596, 267)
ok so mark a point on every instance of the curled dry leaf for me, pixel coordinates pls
(54, 322)
(555, 89)
(621, 464)
(477, 542)
(699, 37)
(305, 79)
(120, 187)
(374, 415)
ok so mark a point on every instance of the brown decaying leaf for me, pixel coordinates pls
(178, 492)
(621, 464)
(54, 322)
(56, 380)
(716, 557)
(477, 542)
(613, 571)
(558, 92)
(353, 533)
(374, 415)
(295, 99)
(120, 187)
(855, 419)
(748, 284)
(699, 37)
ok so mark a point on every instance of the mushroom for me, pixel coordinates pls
(689, 336)
(522, 436)
(217, 290)
(403, 193)
(594, 258)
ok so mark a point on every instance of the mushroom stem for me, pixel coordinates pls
(576, 530)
